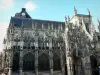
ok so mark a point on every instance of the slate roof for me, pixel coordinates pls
(28, 22)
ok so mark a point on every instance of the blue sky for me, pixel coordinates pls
(52, 9)
(46, 9)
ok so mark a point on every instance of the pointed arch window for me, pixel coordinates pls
(87, 27)
(32, 43)
(40, 42)
(58, 45)
(53, 42)
(46, 43)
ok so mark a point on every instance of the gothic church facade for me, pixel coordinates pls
(43, 47)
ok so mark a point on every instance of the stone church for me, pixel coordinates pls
(44, 47)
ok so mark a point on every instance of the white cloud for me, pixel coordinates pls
(5, 3)
(3, 29)
(30, 6)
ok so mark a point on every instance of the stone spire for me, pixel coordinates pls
(61, 27)
(68, 19)
(89, 12)
(99, 24)
(65, 19)
(75, 11)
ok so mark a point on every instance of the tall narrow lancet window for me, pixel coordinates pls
(87, 27)
(47, 47)
(40, 42)
(32, 43)
(53, 43)
(58, 45)
(46, 43)
(29, 43)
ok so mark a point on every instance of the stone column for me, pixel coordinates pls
(62, 62)
(10, 71)
(3, 61)
(36, 63)
(36, 56)
(69, 59)
(21, 63)
(86, 65)
(11, 53)
(51, 62)
(50, 56)
(10, 62)
(69, 65)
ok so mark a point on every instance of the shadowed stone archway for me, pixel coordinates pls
(43, 62)
(94, 65)
(28, 62)
(16, 62)
(56, 62)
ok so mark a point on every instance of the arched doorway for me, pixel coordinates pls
(28, 62)
(16, 62)
(43, 62)
(94, 65)
(56, 62)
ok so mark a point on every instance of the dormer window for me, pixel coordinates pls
(23, 14)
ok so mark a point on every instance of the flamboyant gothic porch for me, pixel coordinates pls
(38, 62)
